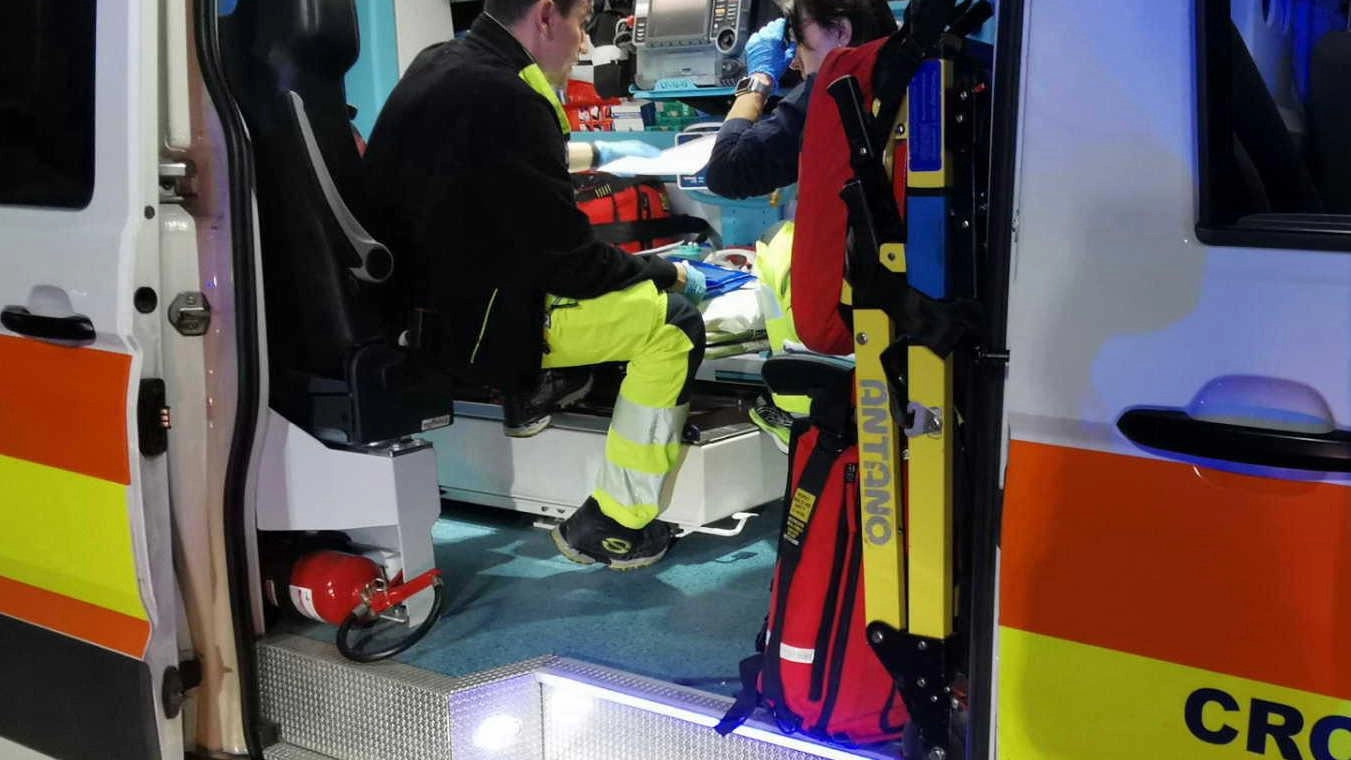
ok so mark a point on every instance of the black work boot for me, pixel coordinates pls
(589, 535)
(527, 413)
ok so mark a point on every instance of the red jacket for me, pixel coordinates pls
(820, 239)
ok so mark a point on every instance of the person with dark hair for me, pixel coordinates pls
(753, 155)
(467, 173)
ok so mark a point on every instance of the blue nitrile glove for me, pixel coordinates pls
(684, 252)
(767, 50)
(696, 284)
(609, 151)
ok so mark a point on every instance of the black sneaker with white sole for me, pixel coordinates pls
(590, 536)
(528, 413)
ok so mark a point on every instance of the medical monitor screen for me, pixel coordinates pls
(677, 18)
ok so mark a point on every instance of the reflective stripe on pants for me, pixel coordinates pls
(661, 336)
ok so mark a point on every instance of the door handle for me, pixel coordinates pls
(1173, 430)
(75, 328)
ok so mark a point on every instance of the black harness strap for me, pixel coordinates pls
(654, 229)
(800, 508)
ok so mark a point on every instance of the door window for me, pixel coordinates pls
(47, 103)
(1274, 81)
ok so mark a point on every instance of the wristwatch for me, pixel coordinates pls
(755, 84)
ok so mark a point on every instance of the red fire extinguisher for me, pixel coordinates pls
(351, 591)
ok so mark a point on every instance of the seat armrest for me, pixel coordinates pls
(374, 262)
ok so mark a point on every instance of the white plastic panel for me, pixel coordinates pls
(305, 485)
(418, 24)
(90, 253)
(1114, 303)
(552, 473)
(382, 497)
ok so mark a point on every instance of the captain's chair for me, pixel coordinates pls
(333, 365)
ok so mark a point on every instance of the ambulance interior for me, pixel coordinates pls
(341, 434)
(359, 427)
(339, 392)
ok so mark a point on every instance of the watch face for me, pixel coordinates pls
(751, 84)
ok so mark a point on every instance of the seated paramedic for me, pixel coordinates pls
(754, 156)
(468, 181)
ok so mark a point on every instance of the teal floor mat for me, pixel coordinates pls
(689, 619)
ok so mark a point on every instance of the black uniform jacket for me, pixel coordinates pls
(756, 158)
(468, 186)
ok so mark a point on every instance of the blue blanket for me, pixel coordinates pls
(720, 280)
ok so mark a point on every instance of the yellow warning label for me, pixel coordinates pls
(799, 512)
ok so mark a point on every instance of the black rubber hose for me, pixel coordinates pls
(354, 622)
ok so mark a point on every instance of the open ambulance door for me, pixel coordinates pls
(1174, 567)
(87, 602)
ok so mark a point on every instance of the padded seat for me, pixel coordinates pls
(335, 367)
(828, 381)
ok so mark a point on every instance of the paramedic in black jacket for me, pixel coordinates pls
(753, 155)
(469, 186)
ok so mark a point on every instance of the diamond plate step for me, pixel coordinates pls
(284, 751)
(549, 708)
(591, 712)
(387, 711)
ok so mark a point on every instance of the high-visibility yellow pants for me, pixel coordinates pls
(773, 261)
(661, 336)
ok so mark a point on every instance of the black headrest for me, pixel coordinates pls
(306, 47)
(285, 53)
(319, 37)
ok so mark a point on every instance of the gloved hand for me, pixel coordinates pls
(767, 50)
(609, 151)
(696, 284)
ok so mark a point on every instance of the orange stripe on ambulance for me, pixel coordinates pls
(1215, 716)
